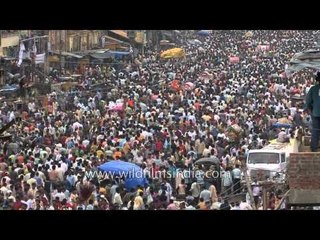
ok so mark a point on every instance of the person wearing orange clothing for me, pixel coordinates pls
(117, 154)
(175, 85)
(20, 158)
(131, 103)
(202, 205)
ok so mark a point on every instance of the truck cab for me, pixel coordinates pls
(270, 162)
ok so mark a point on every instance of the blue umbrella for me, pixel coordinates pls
(133, 174)
(203, 33)
(134, 182)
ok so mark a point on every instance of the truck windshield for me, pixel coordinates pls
(264, 157)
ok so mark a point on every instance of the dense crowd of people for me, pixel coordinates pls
(163, 115)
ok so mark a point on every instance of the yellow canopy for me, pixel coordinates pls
(173, 53)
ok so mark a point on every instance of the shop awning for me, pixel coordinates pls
(108, 54)
(120, 33)
(111, 39)
(92, 51)
(101, 55)
(70, 55)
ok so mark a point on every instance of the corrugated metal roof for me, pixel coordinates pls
(66, 54)
(101, 55)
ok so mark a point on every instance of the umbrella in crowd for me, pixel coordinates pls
(173, 53)
(204, 33)
(188, 86)
(133, 174)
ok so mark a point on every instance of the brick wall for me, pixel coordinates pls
(303, 171)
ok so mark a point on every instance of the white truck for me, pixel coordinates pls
(270, 162)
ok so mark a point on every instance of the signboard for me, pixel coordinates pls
(139, 38)
(9, 41)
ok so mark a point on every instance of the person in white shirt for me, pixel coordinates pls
(60, 173)
(64, 166)
(192, 135)
(236, 207)
(190, 207)
(245, 206)
(90, 205)
(195, 189)
(60, 194)
(41, 174)
(131, 202)
(113, 188)
(236, 176)
(168, 187)
(256, 193)
(206, 195)
(206, 151)
(283, 136)
(138, 159)
(31, 204)
(117, 201)
(4, 190)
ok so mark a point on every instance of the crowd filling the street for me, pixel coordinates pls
(214, 98)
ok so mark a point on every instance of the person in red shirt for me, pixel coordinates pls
(197, 105)
(65, 205)
(159, 145)
(182, 148)
(20, 158)
(57, 204)
(165, 134)
(154, 170)
(18, 204)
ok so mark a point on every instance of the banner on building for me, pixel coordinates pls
(39, 58)
(21, 51)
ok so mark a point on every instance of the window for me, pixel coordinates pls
(283, 157)
(263, 157)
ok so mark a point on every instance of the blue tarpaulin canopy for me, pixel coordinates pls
(133, 174)
(109, 54)
(118, 54)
